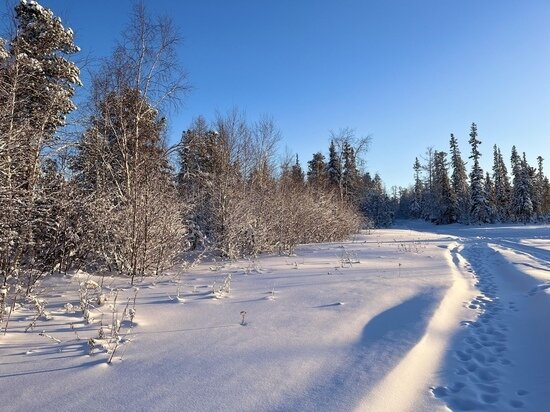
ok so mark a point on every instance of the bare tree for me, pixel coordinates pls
(349, 149)
(123, 162)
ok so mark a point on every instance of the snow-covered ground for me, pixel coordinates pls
(417, 318)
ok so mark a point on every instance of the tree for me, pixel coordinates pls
(459, 182)
(445, 200)
(351, 179)
(542, 189)
(491, 197)
(376, 204)
(297, 174)
(334, 167)
(37, 83)
(123, 161)
(317, 171)
(502, 187)
(522, 205)
(416, 205)
(351, 148)
(428, 201)
(479, 211)
(538, 187)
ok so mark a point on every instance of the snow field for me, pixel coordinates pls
(396, 320)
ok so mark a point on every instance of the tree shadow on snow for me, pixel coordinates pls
(384, 340)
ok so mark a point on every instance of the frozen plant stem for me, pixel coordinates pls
(12, 308)
(43, 333)
(243, 314)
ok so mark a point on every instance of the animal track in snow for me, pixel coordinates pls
(481, 356)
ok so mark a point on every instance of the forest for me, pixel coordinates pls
(99, 188)
(444, 192)
(148, 268)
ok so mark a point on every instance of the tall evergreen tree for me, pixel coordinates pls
(491, 197)
(416, 204)
(376, 204)
(297, 174)
(37, 84)
(479, 211)
(317, 171)
(522, 204)
(459, 182)
(334, 168)
(444, 196)
(351, 179)
(428, 199)
(502, 187)
(543, 189)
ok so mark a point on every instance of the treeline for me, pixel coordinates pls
(341, 174)
(238, 200)
(445, 192)
(111, 195)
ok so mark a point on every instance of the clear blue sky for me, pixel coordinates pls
(406, 72)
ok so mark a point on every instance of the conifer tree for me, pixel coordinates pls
(416, 204)
(522, 204)
(502, 187)
(37, 84)
(297, 174)
(479, 211)
(376, 204)
(428, 200)
(317, 171)
(334, 167)
(444, 196)
(491, 197)
(351, 179)
(459, 182)
(543, 189)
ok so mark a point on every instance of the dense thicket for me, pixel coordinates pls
(240, 204)
(37, 83)
(486, 197)
(118, 198)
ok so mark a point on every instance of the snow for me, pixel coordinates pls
(417, 318)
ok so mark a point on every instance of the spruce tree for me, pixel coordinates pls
(491, 197)
(37, 84)
(297, 174)
(459, 182)
(376, 204)
(543, 189)
(416, 204)
(522, 204)
(317, 171)
(479, 210)
(428, 195)
(444, 196)
(334, 168)
(502, 187)
(351, 179)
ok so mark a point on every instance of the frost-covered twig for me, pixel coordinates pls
(43, 333)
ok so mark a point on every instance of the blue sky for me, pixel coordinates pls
(408, 73)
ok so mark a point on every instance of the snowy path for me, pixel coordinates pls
(428, 319)
(501, 360)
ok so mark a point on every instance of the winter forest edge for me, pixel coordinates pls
(106, 194)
